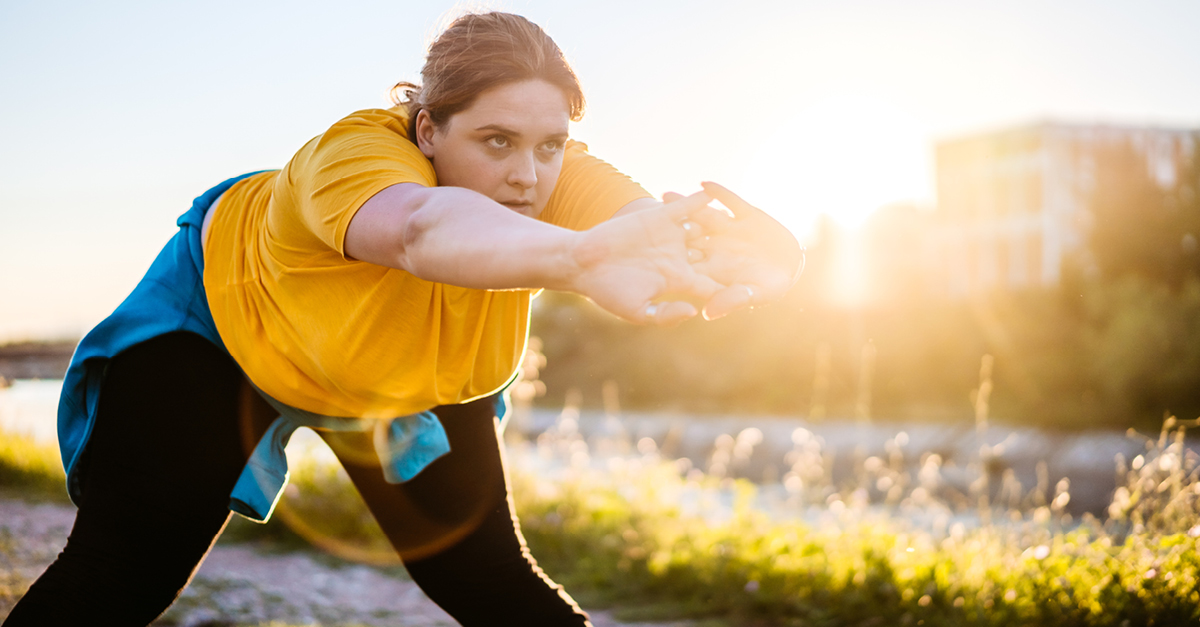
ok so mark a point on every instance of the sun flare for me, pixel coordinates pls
(844, 157)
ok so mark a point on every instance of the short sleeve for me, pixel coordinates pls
(589, 191)
(359, 156)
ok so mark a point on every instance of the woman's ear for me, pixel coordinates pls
(425, 134)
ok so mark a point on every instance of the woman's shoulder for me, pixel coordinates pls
(375, 135)
(393, 119)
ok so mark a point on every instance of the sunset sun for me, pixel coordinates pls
(843, 157)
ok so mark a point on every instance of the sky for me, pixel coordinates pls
(114, 115)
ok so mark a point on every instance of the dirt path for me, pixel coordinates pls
(239, 583)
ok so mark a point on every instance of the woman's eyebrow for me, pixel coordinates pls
(563, 135)
(499, 128)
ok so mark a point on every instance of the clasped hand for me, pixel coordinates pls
(666, 264)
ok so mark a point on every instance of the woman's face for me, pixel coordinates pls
(508, 145)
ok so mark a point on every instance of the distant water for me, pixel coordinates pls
(30, 407)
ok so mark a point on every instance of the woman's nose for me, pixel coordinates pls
(523, 171)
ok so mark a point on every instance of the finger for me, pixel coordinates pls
(672, 313)
(729, 300)
(694, 285)
(692, 231)
(720, 267)
(729, 247)
(706, 221)
(672, 197)
(778, 242)
(729, 199)
(682, 208)
(667, 313)
(711, 218)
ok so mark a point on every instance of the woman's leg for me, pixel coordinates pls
(163, 456)
(456, 531)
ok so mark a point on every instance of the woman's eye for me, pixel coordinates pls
(498, 141)
(552, 146)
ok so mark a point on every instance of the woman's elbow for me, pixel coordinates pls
(385, 227)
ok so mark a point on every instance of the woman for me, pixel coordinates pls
(377, 288)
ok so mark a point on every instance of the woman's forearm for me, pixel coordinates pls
(460, 237)
(634, 266)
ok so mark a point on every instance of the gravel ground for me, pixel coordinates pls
(240, 583)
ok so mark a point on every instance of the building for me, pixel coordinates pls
(1013, 205)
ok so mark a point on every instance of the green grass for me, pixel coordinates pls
(31, 469)
(658, 564)
(643, 537)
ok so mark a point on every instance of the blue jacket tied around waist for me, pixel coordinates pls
(169, 298)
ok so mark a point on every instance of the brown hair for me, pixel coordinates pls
(480, 51)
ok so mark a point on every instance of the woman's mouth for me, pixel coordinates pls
(520, 206)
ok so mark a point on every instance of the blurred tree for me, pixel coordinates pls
(1116, 344)
(1143, 346)
(1141, 224)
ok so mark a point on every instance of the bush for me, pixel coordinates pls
(621, 536)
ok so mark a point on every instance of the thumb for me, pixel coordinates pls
(728, 300)
(671, 313)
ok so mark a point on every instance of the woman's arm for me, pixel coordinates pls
(635, 206)
(460, 237)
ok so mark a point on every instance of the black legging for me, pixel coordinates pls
(168, 446)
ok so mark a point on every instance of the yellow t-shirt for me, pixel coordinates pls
(342, 337)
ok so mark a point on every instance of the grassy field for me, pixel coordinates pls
(655, 539)
(30, 469)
